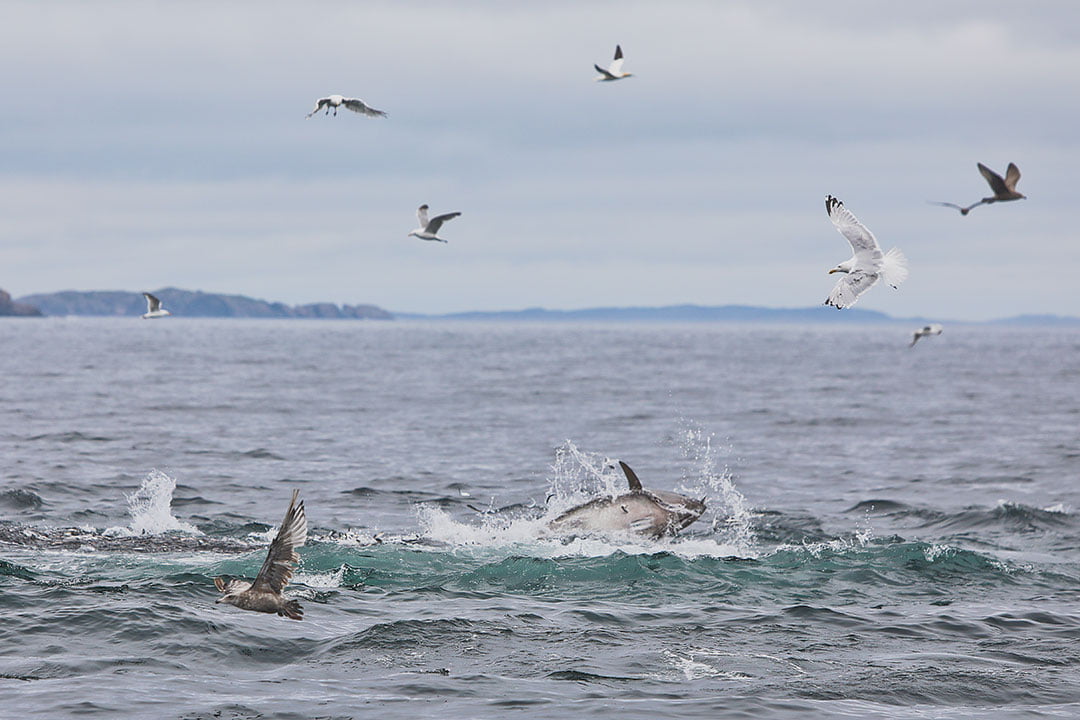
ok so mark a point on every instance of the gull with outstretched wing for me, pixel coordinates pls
(354, 104)
(867, 265)
(429, 229)
(265, 593)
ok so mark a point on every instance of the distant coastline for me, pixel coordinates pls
(189, 303)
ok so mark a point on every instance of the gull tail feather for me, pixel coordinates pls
(894, 268)
(292, 610)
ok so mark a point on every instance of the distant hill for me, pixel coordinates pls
(679, 314)
(187, 303)
(1061, 320)
(16, 309)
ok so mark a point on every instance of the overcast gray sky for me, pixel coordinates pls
(149, 144)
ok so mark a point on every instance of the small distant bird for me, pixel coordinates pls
(867, 265)
(153, 308)
(614, 70)
(354, 104)
(1004, 188)
(927, 331)
(265, 594)
(429, 229)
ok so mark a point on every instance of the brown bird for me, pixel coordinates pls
(264, 595)
(1004, 188)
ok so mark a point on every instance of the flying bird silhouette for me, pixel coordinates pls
(354, 104)
(153, 308)
(867, 265)
(429, 229)
(265, 594)
(1004, 188)
(614, 70)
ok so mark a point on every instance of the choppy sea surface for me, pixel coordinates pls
(892, 532)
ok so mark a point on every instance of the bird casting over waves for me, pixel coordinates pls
(265, 594)
(614, 70)
(354, 104)
(429, 229)
(1004, 188)
(153, 308)
(867, 265)
(927, 331)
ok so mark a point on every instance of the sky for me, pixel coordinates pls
(154, 144)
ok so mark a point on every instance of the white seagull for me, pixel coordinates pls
(153, 308)
(265, 594)
(429, 229)
(354, 104)
(927, 331)
(867, 265)
(614, 70)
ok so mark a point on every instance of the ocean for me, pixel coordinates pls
(891, 532)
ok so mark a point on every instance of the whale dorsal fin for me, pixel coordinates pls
(635, 484)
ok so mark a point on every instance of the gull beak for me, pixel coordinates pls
(832, 271)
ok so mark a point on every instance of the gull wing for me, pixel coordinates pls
(277, 569)
(1012, 176)
(360, 106)
(421, 215)
(615, 68)
(436, 222)
(230, 586)
(605, 73)
(849, 288)
(152, 303)
(996, 183)
(862, 241)
(319, 105)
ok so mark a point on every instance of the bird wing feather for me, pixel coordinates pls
(277, 569)
(604, 72)
(1012, 176)
(357, 105)
(436, 222)
(997, 184)
(152, 303)
(421, 215)
(865, 246)
(849, 288)
(319, 105)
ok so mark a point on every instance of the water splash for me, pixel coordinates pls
(150, 508)
(731, 515)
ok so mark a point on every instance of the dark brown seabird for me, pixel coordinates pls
(265, 594)
(1004, 188)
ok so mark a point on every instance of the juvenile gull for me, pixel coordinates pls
(153, 308)
(614, 70)
(265, 594)
(927, 331)
(354, 104)
(1004, 188)
(429, 229)
(867, 265)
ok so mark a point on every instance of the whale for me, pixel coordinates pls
(653, 513)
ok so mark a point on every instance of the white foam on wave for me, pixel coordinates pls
(495, 536)
(578, 476)
(331, 579)
(150, 508)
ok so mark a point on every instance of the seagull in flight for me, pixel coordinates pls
(354, 104)
(265, 594)
(927, 331)
(1004, 188)
(429, 229)
(867, 265)
(153, 307)
(614, 70)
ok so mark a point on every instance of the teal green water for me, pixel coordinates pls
(889, 536)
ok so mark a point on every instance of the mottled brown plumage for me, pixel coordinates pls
(265, 594)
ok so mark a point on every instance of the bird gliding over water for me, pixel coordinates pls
(354, 104)
(265, 593)
(429, 229)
